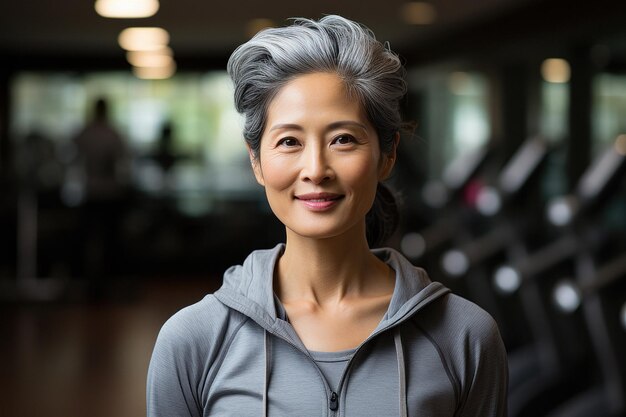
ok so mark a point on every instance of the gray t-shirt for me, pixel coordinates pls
(332, 364)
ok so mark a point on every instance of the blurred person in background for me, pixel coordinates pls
(102, 158)
(326, 323)
(164, 155)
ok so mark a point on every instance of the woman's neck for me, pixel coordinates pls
(329, 271)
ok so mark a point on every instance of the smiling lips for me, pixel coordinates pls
(319, 201)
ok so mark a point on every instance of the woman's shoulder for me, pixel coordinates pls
(470, 317)
(202, 323)
(455, 319)
(466, 336)
(188, 346)
(468, 342)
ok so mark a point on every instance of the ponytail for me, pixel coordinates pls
(383, 218)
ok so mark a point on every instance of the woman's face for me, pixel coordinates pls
(319, 158)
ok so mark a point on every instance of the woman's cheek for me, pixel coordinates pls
(278, 172)
(360, 170)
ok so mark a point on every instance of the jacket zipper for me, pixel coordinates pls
(333, 403)
(409, 314)
(333, 400)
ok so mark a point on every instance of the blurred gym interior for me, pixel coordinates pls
(513, 186)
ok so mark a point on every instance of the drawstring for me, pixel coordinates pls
(397, 338)
(267, 349)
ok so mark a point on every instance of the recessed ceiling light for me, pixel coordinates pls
(156, 58)
(555, 70)
(419, 13)
(155, 73)
(126, 8)
(143, 38)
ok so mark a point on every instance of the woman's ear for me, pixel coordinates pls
(256, 167)
(389, 159)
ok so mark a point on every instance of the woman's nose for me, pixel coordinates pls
(316, 167)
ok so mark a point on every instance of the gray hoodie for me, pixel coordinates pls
(235, 354)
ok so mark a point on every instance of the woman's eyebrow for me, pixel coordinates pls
(291, 126)
(333, 125)
(347, 123)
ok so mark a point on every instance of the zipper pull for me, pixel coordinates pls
(334, 401)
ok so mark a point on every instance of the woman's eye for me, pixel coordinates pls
(344, 139)
(288, 142)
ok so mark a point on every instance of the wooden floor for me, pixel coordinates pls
(86, 359)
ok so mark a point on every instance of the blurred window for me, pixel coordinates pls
(211, 161)
(609, 110)
(554, 111)
(607, 123)
(455, 119)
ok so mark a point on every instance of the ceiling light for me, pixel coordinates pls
(555, 70)
(143, 38)
(157, 58)
(155, 73)
(419, 13)
(126, 8)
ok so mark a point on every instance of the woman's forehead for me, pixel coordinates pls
(321, 96)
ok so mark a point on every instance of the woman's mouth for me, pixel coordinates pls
(319, 201)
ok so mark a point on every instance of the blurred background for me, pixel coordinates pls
(126, 189)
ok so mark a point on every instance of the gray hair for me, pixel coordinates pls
(370, 70)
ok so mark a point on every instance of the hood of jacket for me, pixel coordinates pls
(248, 288)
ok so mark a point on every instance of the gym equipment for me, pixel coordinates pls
(445, 195)
(508, 208)
(600, 291)
(568, 349)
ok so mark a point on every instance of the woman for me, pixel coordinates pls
(322, 325)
